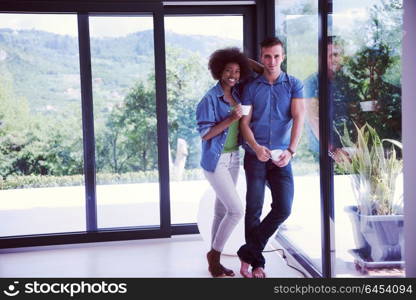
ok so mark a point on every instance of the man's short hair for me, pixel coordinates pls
(270, 42)
(336, 41)
(332, 39)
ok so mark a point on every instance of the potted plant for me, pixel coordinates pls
(378, 97)
(374, 167)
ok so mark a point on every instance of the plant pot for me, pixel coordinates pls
(368, 105)
(380, 237)
(361, 244)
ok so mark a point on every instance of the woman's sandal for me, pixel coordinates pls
(227, 271)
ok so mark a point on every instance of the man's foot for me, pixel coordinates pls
(244, 269)
(259, 273)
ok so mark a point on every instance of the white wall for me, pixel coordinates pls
(409, 136)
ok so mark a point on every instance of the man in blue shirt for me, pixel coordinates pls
(274, 122)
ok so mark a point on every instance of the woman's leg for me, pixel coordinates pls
(219, 213)
(223, 181)
(228, 208)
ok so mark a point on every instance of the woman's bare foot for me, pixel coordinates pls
(259, 273)
(244, 270)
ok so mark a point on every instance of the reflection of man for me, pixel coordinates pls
(274, 122)
(341, 96)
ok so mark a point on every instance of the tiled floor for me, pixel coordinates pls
(179, 256)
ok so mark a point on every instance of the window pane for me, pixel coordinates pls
(297, 27)
(41, 158)
(189, 43)
(122, 58)
(366, 90)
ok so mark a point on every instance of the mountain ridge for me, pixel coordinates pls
(44, 67)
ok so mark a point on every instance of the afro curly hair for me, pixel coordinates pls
(221, 57)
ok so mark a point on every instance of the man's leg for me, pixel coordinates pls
(280, 181)
(255, 171)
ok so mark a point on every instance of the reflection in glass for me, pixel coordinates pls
(41, 158)
(297, 27)
(122, 60)
(189, 42)
(366, 108)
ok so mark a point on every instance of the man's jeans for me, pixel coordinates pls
(280, 182)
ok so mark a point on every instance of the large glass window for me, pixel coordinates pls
(123, 76)
(364, 48)
(41, 158)
(297, 27)
(189, 43)
(365, 92)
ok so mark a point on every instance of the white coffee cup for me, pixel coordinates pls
(246, 109)
(276, 154)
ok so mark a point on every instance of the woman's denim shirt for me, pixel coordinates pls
(211, 110)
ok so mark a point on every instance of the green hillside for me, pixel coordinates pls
(44, 67)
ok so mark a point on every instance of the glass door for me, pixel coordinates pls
(190, 40)
(72, 85)
(365, 92)
(297, 26)
(41, 150)
(125, 121)
(192, 35)
(361, 162)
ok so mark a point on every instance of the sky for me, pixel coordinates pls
(66, 24)
(222, 26)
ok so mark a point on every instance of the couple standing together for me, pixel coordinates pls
(274, 122)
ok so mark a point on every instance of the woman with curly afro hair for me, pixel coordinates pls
(218, 115)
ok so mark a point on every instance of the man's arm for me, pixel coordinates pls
(298, 115)
(262, 153)
(312, 114)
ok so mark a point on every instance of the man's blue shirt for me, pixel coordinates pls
(271, 120)
(211, 110)
(342, 97)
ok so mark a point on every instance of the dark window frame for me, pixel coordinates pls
(111, 7)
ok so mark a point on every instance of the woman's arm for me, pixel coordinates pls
(255, 66)
(224, 124)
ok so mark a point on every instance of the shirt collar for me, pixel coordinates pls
(219, 92)
(282, 77)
